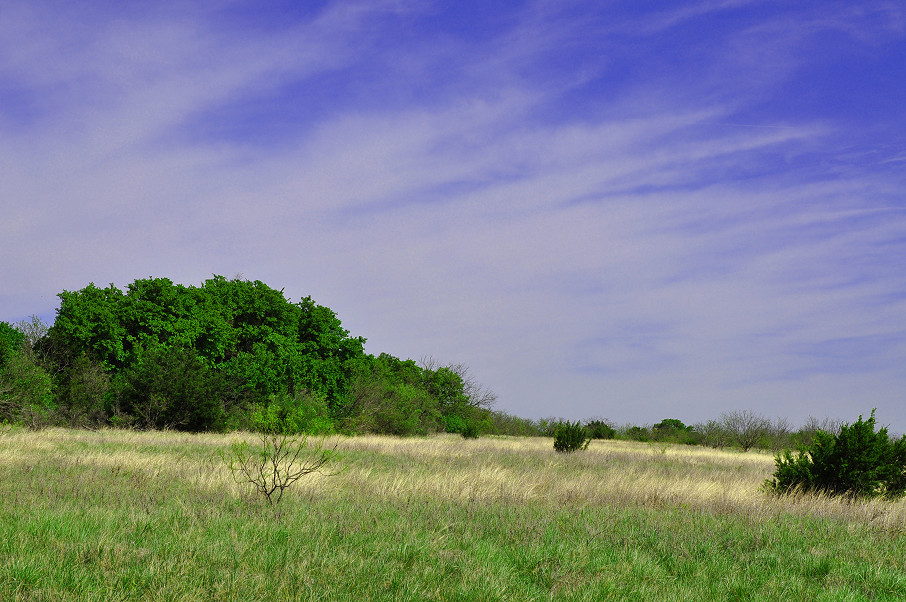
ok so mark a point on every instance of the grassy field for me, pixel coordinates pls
(119, 515)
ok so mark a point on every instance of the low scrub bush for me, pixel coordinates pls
(303, 412)
(635, 433)
(501, 423)
(26, 392)
(713, 434)
(280, 461)
(600, 429)
(570, 437)
(672, 430)
(470, 431)
(857, 461)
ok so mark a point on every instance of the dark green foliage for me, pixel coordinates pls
(230, 354)
(11, 341)
(470, 431)
(387, 396)
(503, 423)
(84, 393)
(26, 391)
(171, 387)
(857, 461)
(400, 397)
(454, 423)
(599, 429)
(570, 437)
(669, 424)
(89, 321)
(636, 433)
(245, 329)
(303, 413)
(672, 430)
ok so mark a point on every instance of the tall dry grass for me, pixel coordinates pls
(498, 470)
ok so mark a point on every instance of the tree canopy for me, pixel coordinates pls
(230, 353)
(245, 330)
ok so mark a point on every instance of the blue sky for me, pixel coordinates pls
(618, 209)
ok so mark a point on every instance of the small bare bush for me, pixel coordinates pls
(280, 461)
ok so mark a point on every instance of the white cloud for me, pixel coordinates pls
(640, 258)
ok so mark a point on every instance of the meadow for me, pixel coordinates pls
(125, 515)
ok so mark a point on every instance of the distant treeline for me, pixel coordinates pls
(236, 354)
(742, 430)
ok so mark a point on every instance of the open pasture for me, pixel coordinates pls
(157, 516)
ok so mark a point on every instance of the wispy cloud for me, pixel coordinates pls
(603, 209)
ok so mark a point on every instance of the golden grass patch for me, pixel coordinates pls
(491, 470)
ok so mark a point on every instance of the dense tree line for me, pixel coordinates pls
(236, 354)
(227, 354)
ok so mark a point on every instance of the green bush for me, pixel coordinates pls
(570, 437)
(470, 431)
(26, 392)
(11, 342)
(636, 433)
(302, 413)
(454, 423)
(857, 461)
(672, 430)
(84, 393)
(599, 429)
(171, 387)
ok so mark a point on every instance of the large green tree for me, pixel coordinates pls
(246, 331)
(161, 354)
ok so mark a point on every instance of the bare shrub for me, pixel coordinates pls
(745, 427)
(713, 434)
(280, 461)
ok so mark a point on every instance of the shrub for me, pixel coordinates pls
(669, 425)
(547, 427)
(11, 341)
(806, 433)
(470, 431)
(501, 423)
(745, 428)
(171, 387)
(857, 461)
(304, 412)
(83, 393)
(713, 434)
(636, 433)
(570, 437)
(26, 392)
(599, 429)
(673, 430)
(278, 464)
(386, 403)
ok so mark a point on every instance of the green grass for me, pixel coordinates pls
(155, 516)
